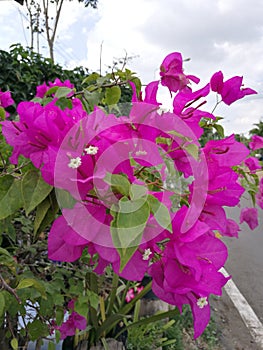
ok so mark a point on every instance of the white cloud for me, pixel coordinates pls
(217, 35)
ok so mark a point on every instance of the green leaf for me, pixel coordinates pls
(64, 103)
(113, 319)
(62, 92)
(51, 346)
(34, 190)
(57, 336)
(93, 299)
(2, 304)
(2, 113)
(93, 98)
(193, 150)
(127, 227)
(41, 212)
(91, 78)
(81, 305)
(119, 183)
(160, 212)
(109, 323)
(65, 199)
(131, 220)
(164, 141)
(220, 130)
(51, 91)
(51, 213)
(6, 259)
(105, 344)
(30, 282)
(151, 319)
(180, 136)
(37, 329)
(10, 196)
(127, 253)
(59, 316)
(137, 191)
(14, 344)
(112, 95)
(102, 80)
(25, 283)
(138, 85)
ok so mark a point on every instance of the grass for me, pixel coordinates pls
(178, 335)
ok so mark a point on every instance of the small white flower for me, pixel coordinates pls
(91, 150)
(146, 254)
(74, 163)
(141, 153)
(202, 302)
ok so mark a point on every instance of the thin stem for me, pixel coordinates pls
(9, 289)
(115, 283)
(16, 169)
(101, 45)
(120, 83)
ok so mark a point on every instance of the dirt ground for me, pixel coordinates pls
(232, 332)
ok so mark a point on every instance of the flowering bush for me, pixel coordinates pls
(137, 192)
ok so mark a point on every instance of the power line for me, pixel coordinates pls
(66, 56)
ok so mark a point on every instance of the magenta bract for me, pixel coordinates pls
(231, 90)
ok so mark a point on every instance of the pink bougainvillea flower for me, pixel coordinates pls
(231, 90)
(187, 97)
(193, 254)
(259, 195)
(250, 216)
(39, 133)
(68, 328)
(224, 189)
(191, 115)
(150, 93)
(256, 142)
(253, 164)
(226, 152)
(232, 229)
(58, 247)
(5, 99)
(42, 89)
(177, 285)
(139, 289)
(130, 295)
(172, 75)
(214, 216)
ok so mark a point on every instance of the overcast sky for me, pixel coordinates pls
(217, 35)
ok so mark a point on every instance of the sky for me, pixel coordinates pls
(216, 35)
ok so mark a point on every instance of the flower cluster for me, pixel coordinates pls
(147, 198)
(131, 293)
(73, 322)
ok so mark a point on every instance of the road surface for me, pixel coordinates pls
(245, 264)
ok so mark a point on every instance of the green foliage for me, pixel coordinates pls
(22, 70)
(212, 130)
(35, 291)
(146, 337)
(258, 130)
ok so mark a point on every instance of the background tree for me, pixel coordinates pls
(22, 70)
(44, 17)
(258, 130)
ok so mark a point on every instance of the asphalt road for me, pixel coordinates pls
(245, 261)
